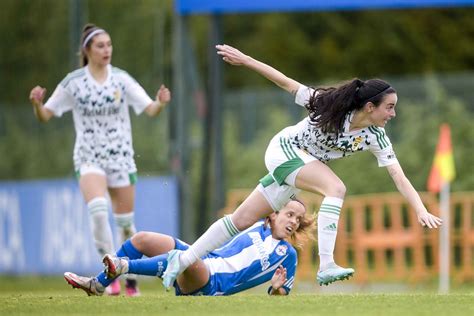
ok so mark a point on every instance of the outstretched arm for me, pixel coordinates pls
(235, 57)
(408, 191)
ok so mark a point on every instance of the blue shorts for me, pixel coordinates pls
(207, 290)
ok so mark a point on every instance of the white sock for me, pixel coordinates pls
(328, 218)
(100, 227)
(216, 235)
(125, 226)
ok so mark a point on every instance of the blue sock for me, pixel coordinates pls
(127, 250)
(154, 266)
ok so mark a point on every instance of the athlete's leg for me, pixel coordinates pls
(127, 250)
(316, 177)
(152, 244)
(155, 246)
(193, 278)
(292, 166)
(93, 187)
(121, 184)
(123, 199)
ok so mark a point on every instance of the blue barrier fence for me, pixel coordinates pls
(218, 6)
(44, 225)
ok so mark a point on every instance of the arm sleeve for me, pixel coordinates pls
(137, 97)
(381, 147)
(290, 263)
(60, 101)
(303, 94)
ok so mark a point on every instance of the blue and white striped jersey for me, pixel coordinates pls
(250, 259)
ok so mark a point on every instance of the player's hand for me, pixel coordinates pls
(37, 95)
(232, 55)
(279, 277)
(163, 95)
(427, 219)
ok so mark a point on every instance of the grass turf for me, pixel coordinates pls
(52, 296)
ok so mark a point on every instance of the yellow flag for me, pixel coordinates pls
(442, 170)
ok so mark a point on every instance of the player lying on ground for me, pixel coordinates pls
(259, 254)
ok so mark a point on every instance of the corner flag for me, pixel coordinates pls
(442, 173)
(442, 170)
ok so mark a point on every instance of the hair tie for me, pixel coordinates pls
(91, 35)
(359, 84)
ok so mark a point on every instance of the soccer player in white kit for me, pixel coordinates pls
(99, 96)
(341, 121)
(261, 253)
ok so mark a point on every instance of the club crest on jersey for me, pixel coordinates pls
(356, 143)
(117, 96)
(281, 250)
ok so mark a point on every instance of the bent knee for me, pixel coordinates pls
(141, 239)
(337, 189)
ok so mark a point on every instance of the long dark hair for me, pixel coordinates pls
(86, 30)
(328, 107)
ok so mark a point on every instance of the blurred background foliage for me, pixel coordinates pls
(427, 54)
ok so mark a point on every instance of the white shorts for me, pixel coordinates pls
(115, 178)
(284, 160)
(276, 195)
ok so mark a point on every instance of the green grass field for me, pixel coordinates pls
(52, 296)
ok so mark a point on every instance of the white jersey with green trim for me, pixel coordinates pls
(101, 116)
(326, 146)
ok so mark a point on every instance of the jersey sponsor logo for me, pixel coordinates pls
(356, 143)
(258, 242)
(281, 250)
(100, 111)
